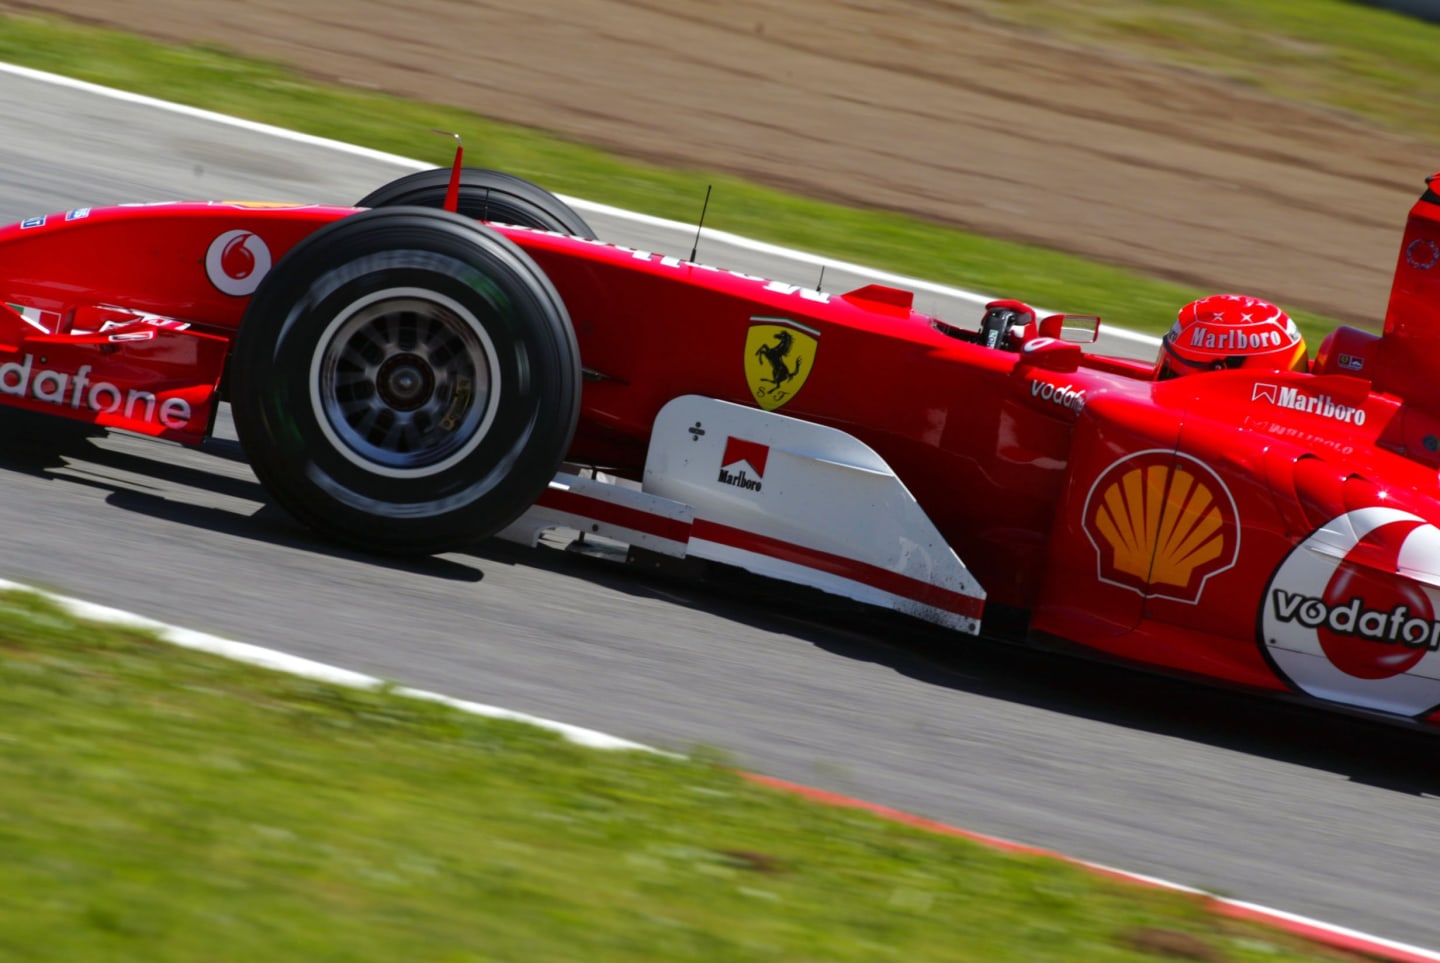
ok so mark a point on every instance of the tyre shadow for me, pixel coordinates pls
(81, 454)
(271, 525)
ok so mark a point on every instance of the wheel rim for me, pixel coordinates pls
(403, 382)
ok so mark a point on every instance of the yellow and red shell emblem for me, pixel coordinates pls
(1162, 523)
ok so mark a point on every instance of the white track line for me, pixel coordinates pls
(744, 243)
(307, 668)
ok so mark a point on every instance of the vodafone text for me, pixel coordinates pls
(63, 389)
(1066, 396)
(1394, 625)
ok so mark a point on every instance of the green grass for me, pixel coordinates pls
(210, 77)
(165, 805)
(1374, 64)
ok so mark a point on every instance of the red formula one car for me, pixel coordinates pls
(457, 355)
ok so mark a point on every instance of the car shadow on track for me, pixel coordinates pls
(1380, 753)
(83, 455)
(272, 526)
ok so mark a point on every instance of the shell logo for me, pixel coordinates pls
(1340, 621)
(1162, 523)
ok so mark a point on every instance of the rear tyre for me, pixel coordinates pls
(405, 381)
(485, 195)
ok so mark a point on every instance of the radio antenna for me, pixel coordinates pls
(820, 284)
(705, 207)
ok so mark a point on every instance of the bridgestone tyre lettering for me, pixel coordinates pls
(485, 195)
(406, 381)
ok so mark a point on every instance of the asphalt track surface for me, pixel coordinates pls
(1304, 811)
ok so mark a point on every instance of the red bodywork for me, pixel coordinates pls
(1276, 530)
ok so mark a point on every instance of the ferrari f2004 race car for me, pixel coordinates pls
(458, 355)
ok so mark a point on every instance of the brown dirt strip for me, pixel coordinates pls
(921, 106)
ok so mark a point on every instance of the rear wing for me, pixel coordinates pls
(1407, 357)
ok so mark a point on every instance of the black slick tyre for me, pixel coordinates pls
(485, 195)
(405, 381)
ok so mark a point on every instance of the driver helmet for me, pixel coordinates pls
(1227, 331)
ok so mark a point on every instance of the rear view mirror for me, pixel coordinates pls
(1074, 328)
(1051, 353)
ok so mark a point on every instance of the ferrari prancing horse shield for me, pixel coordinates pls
(779, 355)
